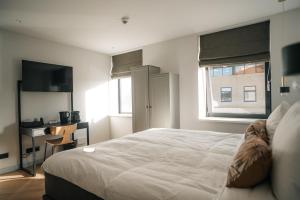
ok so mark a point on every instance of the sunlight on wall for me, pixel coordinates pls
(201, 93)
(113, 97)
(96, 103)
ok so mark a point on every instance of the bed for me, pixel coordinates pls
(162, 164)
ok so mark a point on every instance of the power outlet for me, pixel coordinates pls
(4, 155)
(29, 150)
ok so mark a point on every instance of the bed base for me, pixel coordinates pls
(57, 188)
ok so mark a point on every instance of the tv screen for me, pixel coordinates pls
(43, 77)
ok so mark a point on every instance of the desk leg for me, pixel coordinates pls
(21, 148)
(33, 157)
(88, 135)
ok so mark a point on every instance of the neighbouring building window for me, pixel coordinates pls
(226, 94)
(124, 91)
(237, 90)
(249, 93)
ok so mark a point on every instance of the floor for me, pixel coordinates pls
(21, 186)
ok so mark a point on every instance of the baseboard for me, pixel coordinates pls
(28, 164)
(9, 169)
(16, 167)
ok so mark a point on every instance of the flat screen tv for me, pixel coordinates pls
(43, 77)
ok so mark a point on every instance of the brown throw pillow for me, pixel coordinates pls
(257, 128)
(251, 164)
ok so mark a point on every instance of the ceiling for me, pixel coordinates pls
(96, 24)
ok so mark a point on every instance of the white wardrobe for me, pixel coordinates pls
(155, 99)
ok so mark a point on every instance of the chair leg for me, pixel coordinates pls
(53, 149)
(45, 151)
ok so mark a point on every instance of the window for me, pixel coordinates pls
(217, 71)
(124, 91)
(236, 58)
(259, 68)
(238, 90)
(239, 69)
(250, 68)
(227, 71)
(249, 93)
(226, 94)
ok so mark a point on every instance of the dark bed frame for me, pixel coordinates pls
(57, 188)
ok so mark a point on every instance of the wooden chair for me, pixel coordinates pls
(65, 132)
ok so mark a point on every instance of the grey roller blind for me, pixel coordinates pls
(123, 62)
(239, 45)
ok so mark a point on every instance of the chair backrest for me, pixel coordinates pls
(64, 131)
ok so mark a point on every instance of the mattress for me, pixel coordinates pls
(157, 164)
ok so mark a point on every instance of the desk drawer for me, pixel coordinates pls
(33, 132)
(82, 125)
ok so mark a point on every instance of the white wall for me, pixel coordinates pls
(91, 75)
(180, 56)
(120, 126)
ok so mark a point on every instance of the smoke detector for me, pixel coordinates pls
(125, 19)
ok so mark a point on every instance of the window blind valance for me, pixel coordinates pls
(122, 63)
(239, 45)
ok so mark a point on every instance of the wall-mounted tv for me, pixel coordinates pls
(43, 77)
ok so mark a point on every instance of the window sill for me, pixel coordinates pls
(228, 120)
(121, 115)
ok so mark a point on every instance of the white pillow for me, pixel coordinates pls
(286, 156)
(275, 117)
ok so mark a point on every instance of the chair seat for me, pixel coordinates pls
(58, 141)
(64, 133)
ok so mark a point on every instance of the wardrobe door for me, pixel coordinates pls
(159, 101)
(140, 99)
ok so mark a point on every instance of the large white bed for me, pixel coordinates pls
(157, 164)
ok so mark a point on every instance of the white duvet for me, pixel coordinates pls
(157, 164)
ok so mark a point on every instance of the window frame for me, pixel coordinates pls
(249, 91)
(268, 100)
(119, 99)
(223, 91)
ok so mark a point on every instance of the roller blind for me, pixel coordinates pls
(239, 45)
(122, 63)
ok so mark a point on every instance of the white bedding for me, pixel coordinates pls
(262, 191)
(157, 164)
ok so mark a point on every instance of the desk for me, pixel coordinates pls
(40, 131)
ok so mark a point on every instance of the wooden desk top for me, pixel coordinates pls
(80, 125)
(39, 131)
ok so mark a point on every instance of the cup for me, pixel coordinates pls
(64, 116)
